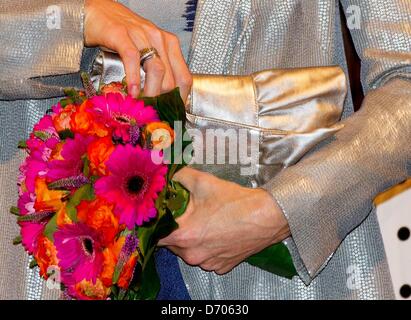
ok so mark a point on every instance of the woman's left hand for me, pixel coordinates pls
(224, 223)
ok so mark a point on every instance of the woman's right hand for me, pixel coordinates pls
(114, 26)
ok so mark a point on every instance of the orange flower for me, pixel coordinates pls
(83, 122)
(56, 152)
(111, 255)
(61, 120)
(98, 214)
(87, 290)
(113, 87)
(98, 153)
(47, 199)
(127, 272)
(46, 255)
(160, 134)
(62, 216)
(109, 265)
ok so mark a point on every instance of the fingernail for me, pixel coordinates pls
(134, 91)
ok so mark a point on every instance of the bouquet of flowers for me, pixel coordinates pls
(95, 193)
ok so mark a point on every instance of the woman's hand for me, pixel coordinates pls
(224, 223)
(115, 27)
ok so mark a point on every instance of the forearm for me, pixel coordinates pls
(330, 192)
(39, 39)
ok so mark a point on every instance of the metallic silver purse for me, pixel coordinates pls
(247, 128)
(285, 113)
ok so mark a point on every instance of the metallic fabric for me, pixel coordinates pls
(39, 38)
(35, 62)
(240, 37)
(327, 196)
(107, 67)
(286, 113)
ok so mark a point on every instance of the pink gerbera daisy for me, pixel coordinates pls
(30, 233)
(79, 252)
(123, 114)
(133, 184)
(72, 165)
(46, 125)
(29, 171)
(33, 227)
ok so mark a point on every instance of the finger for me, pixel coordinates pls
(188, 177)
(182, 74)
(155, 71)
(154, 67)
(169, 241)
(223, 270)
(226, 267)
(210, 265)
(159, 42)
(130, 56)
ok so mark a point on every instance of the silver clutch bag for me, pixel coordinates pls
(273, 117)
(247, 128)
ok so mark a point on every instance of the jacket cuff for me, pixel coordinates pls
(307, 262)
(330, 192)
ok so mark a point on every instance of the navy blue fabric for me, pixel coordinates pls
(191, 7)
(172, 283)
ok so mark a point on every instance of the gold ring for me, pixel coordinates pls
(147, 54)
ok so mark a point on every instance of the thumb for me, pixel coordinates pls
(188, 177)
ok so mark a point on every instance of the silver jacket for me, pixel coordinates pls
(327, 196)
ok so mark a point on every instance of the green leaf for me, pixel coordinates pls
(145, 232)
(150, 282)
(65, 134)
(178, 201)
(122, 294)
(33, 264)
(114, 292)
(14, 210)
(83, 193)
(41, 135)
(65, 102)
(170, 107)
(86, 166)
(275, 259)
(50, 228)
(74, 95)
(88, 85)
(22, 144)
(17, 240)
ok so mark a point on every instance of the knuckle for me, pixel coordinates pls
(118, 30)
(168, 85)
(186, 80)
(130, 53)
(207, 266)
(193, 258)
(156, 67)
(155, 34)
(186, 238)
(173, 39)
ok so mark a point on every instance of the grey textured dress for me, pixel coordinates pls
(327, 197)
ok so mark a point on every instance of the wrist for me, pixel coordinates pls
(281, 229)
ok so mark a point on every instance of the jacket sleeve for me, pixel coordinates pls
(330, 192)
(39, 39)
